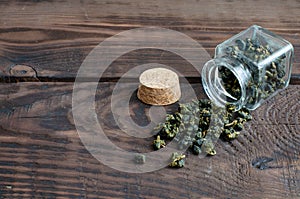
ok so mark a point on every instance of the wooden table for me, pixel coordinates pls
(42, 46)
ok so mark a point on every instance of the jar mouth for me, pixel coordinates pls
(228, 89)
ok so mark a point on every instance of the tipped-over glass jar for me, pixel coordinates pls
(248, 68)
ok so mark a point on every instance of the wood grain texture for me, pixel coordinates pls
(42, 155)
(44, 42)
(54, 37)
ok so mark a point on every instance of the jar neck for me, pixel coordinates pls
(214, 85)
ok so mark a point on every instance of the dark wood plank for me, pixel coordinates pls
(55, 37)
(43, 156)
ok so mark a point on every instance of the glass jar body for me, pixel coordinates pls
(248, 69)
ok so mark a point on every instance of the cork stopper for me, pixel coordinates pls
(159, 86)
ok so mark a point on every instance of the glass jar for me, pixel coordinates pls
(248, 69)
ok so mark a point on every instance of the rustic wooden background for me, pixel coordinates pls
(44, 42)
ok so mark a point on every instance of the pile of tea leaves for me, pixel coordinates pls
(195, 124)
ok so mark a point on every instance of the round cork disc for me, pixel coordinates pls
(159, 86)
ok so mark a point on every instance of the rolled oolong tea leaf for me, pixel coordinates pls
(239, 126)
(244, 114)
(177, 160)
(158, 143)
(170, 127)
(196, 149)
(230, 133)
(139, 159)
(209, 148)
